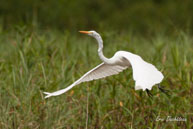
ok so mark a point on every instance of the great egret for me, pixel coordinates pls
(145, 74)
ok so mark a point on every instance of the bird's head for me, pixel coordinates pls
(90, 33)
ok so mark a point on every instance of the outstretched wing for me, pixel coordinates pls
(100, 71)
(145, 74)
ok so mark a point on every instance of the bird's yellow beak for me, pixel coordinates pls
(85, 32)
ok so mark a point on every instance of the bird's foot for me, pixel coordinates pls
(149, 93)
(163, 90)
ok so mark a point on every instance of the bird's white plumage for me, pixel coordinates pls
(145, 74)
(100, 71)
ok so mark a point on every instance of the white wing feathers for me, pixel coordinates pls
(145, 74)
(100, 71)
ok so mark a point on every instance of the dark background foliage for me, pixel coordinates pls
(143, 16)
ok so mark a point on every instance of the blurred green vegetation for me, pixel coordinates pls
(138, 15)
(41, 50)
(34, 61)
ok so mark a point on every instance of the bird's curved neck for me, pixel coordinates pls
(100, 51)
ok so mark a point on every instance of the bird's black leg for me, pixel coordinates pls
(149, 93)
(163, 90)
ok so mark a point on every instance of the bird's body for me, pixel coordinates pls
(145, 74)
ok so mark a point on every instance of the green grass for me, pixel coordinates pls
(33, 61)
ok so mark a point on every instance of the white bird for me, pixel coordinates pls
(145, 74)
